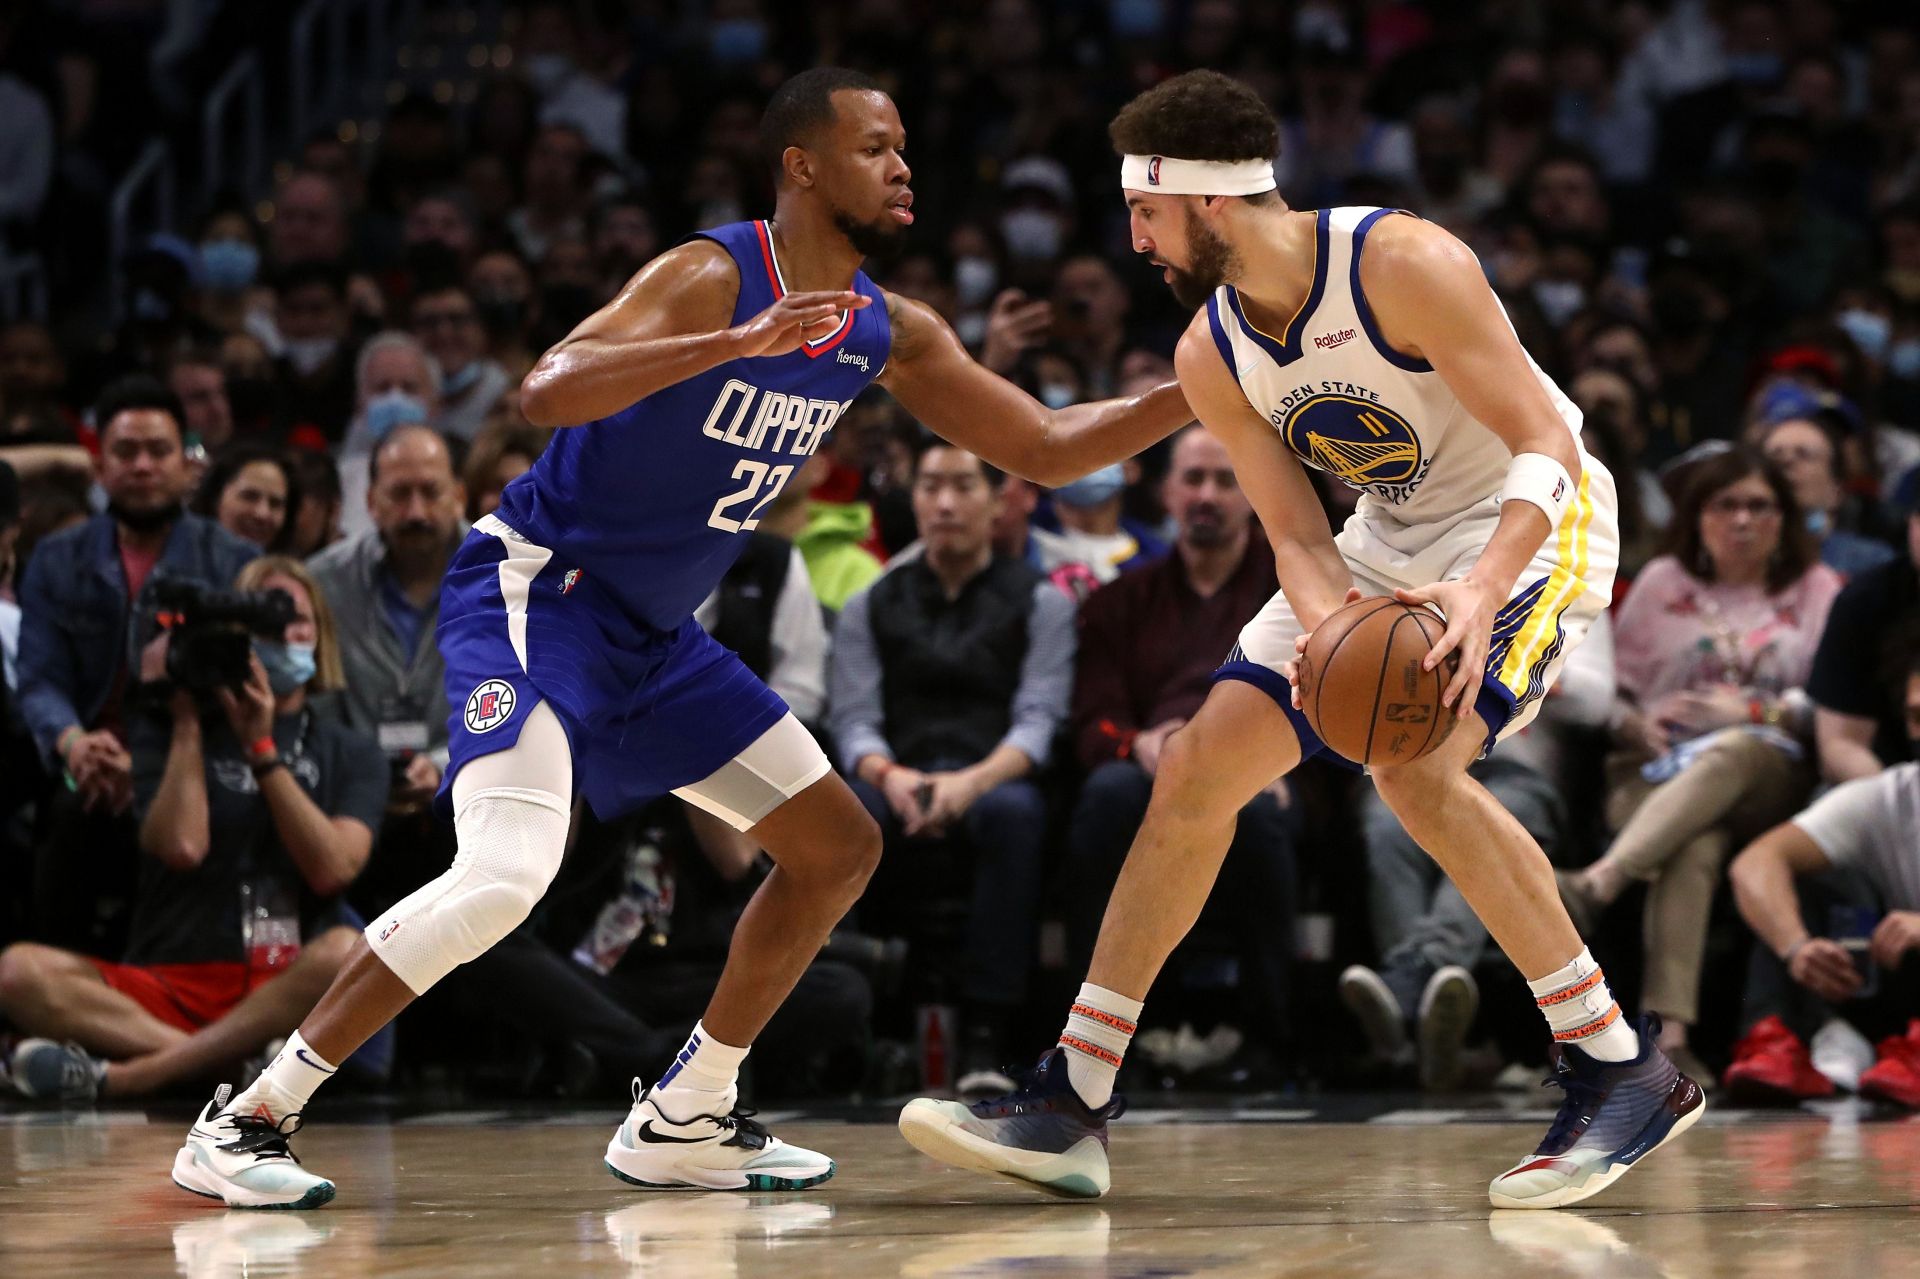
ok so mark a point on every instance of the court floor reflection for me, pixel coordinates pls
(1822, 1198)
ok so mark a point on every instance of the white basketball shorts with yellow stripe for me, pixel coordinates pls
(1568, 584)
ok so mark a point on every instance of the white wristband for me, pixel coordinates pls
(1541, 480)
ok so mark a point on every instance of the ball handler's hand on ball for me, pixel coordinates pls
(1292, 669)
(1468, 609)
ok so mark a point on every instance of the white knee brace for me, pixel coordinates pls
(511, 843)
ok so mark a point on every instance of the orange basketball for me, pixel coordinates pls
(1362, 688)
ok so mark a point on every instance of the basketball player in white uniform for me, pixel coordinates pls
(1365, 343)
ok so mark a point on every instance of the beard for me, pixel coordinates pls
(145, 519)
(880, 238)
(1205, 528)
(1211, 261)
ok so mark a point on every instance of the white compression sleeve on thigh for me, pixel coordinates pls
(512, 838)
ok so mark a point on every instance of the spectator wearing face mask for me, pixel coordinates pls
(553, 51)
(447, 323)
(231, 298)
(1808, 450)
(397, 383)
(1037, 217)
(502, 289)
(316, 358)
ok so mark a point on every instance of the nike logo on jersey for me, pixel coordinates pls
(1327, 341)
(646, 1133)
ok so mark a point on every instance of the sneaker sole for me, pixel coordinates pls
(1372, 1004)
(188, 1175)
(1078, 1173)
(632, 1167)
(1599, 1181)
(1447, 1010)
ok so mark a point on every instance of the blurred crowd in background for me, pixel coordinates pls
(1702, 216)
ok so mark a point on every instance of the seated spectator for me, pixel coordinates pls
(502, 290)
(951, 675)
(501, 454)
(555, 191)
(396, 383)
(229, 250)
(1421, 1001)
(86, 610)
(384, 589)
(39, 435)
(1714, 641)
(250, 491)
(253, 819)
(314, 521)
(1089, 541)
(820, 511)
(1805, 973)
(1149, 643)
(447, 323)
(197, 379)
(1807, 450)
(316, 359)
(1856, 669)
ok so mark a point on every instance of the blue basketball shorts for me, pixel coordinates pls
(647, 712)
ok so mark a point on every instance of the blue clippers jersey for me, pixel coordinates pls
(651, 502)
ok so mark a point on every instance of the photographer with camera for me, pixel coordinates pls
(255, 814)
(83, 620)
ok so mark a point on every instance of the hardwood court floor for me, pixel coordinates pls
(1827, 1198)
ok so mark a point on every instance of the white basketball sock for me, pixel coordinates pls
(703, 1080)
(1100, 1025)
(1581, 1010)
(287, 1084)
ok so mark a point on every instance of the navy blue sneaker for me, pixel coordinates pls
(1041, 1133)
(1616, 1113)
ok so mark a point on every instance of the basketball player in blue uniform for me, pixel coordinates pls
(1367, 344)
(573, 662)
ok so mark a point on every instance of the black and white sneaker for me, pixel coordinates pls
(730, 1152)
(244, 1160)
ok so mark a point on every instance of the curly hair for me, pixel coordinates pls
(1200, 115)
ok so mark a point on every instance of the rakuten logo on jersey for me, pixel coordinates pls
(745, 415)
(1327, 341)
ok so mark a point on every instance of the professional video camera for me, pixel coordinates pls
(212, 631)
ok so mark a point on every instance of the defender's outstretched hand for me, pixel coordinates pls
(796, 317)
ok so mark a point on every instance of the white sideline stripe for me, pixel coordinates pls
(523, 563)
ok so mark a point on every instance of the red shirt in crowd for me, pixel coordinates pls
(1149, 645)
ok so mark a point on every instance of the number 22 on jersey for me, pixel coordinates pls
(758, 476)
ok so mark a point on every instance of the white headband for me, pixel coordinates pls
(1164, 175)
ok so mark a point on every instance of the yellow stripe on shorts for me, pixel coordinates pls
(1567, 583)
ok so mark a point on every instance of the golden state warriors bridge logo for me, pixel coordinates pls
(1359, 441)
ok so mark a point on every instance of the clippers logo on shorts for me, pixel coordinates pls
(1358, 441)
(489, 706)
(1153, 172)
(567, 582)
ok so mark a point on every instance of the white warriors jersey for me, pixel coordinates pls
(1348, 404)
